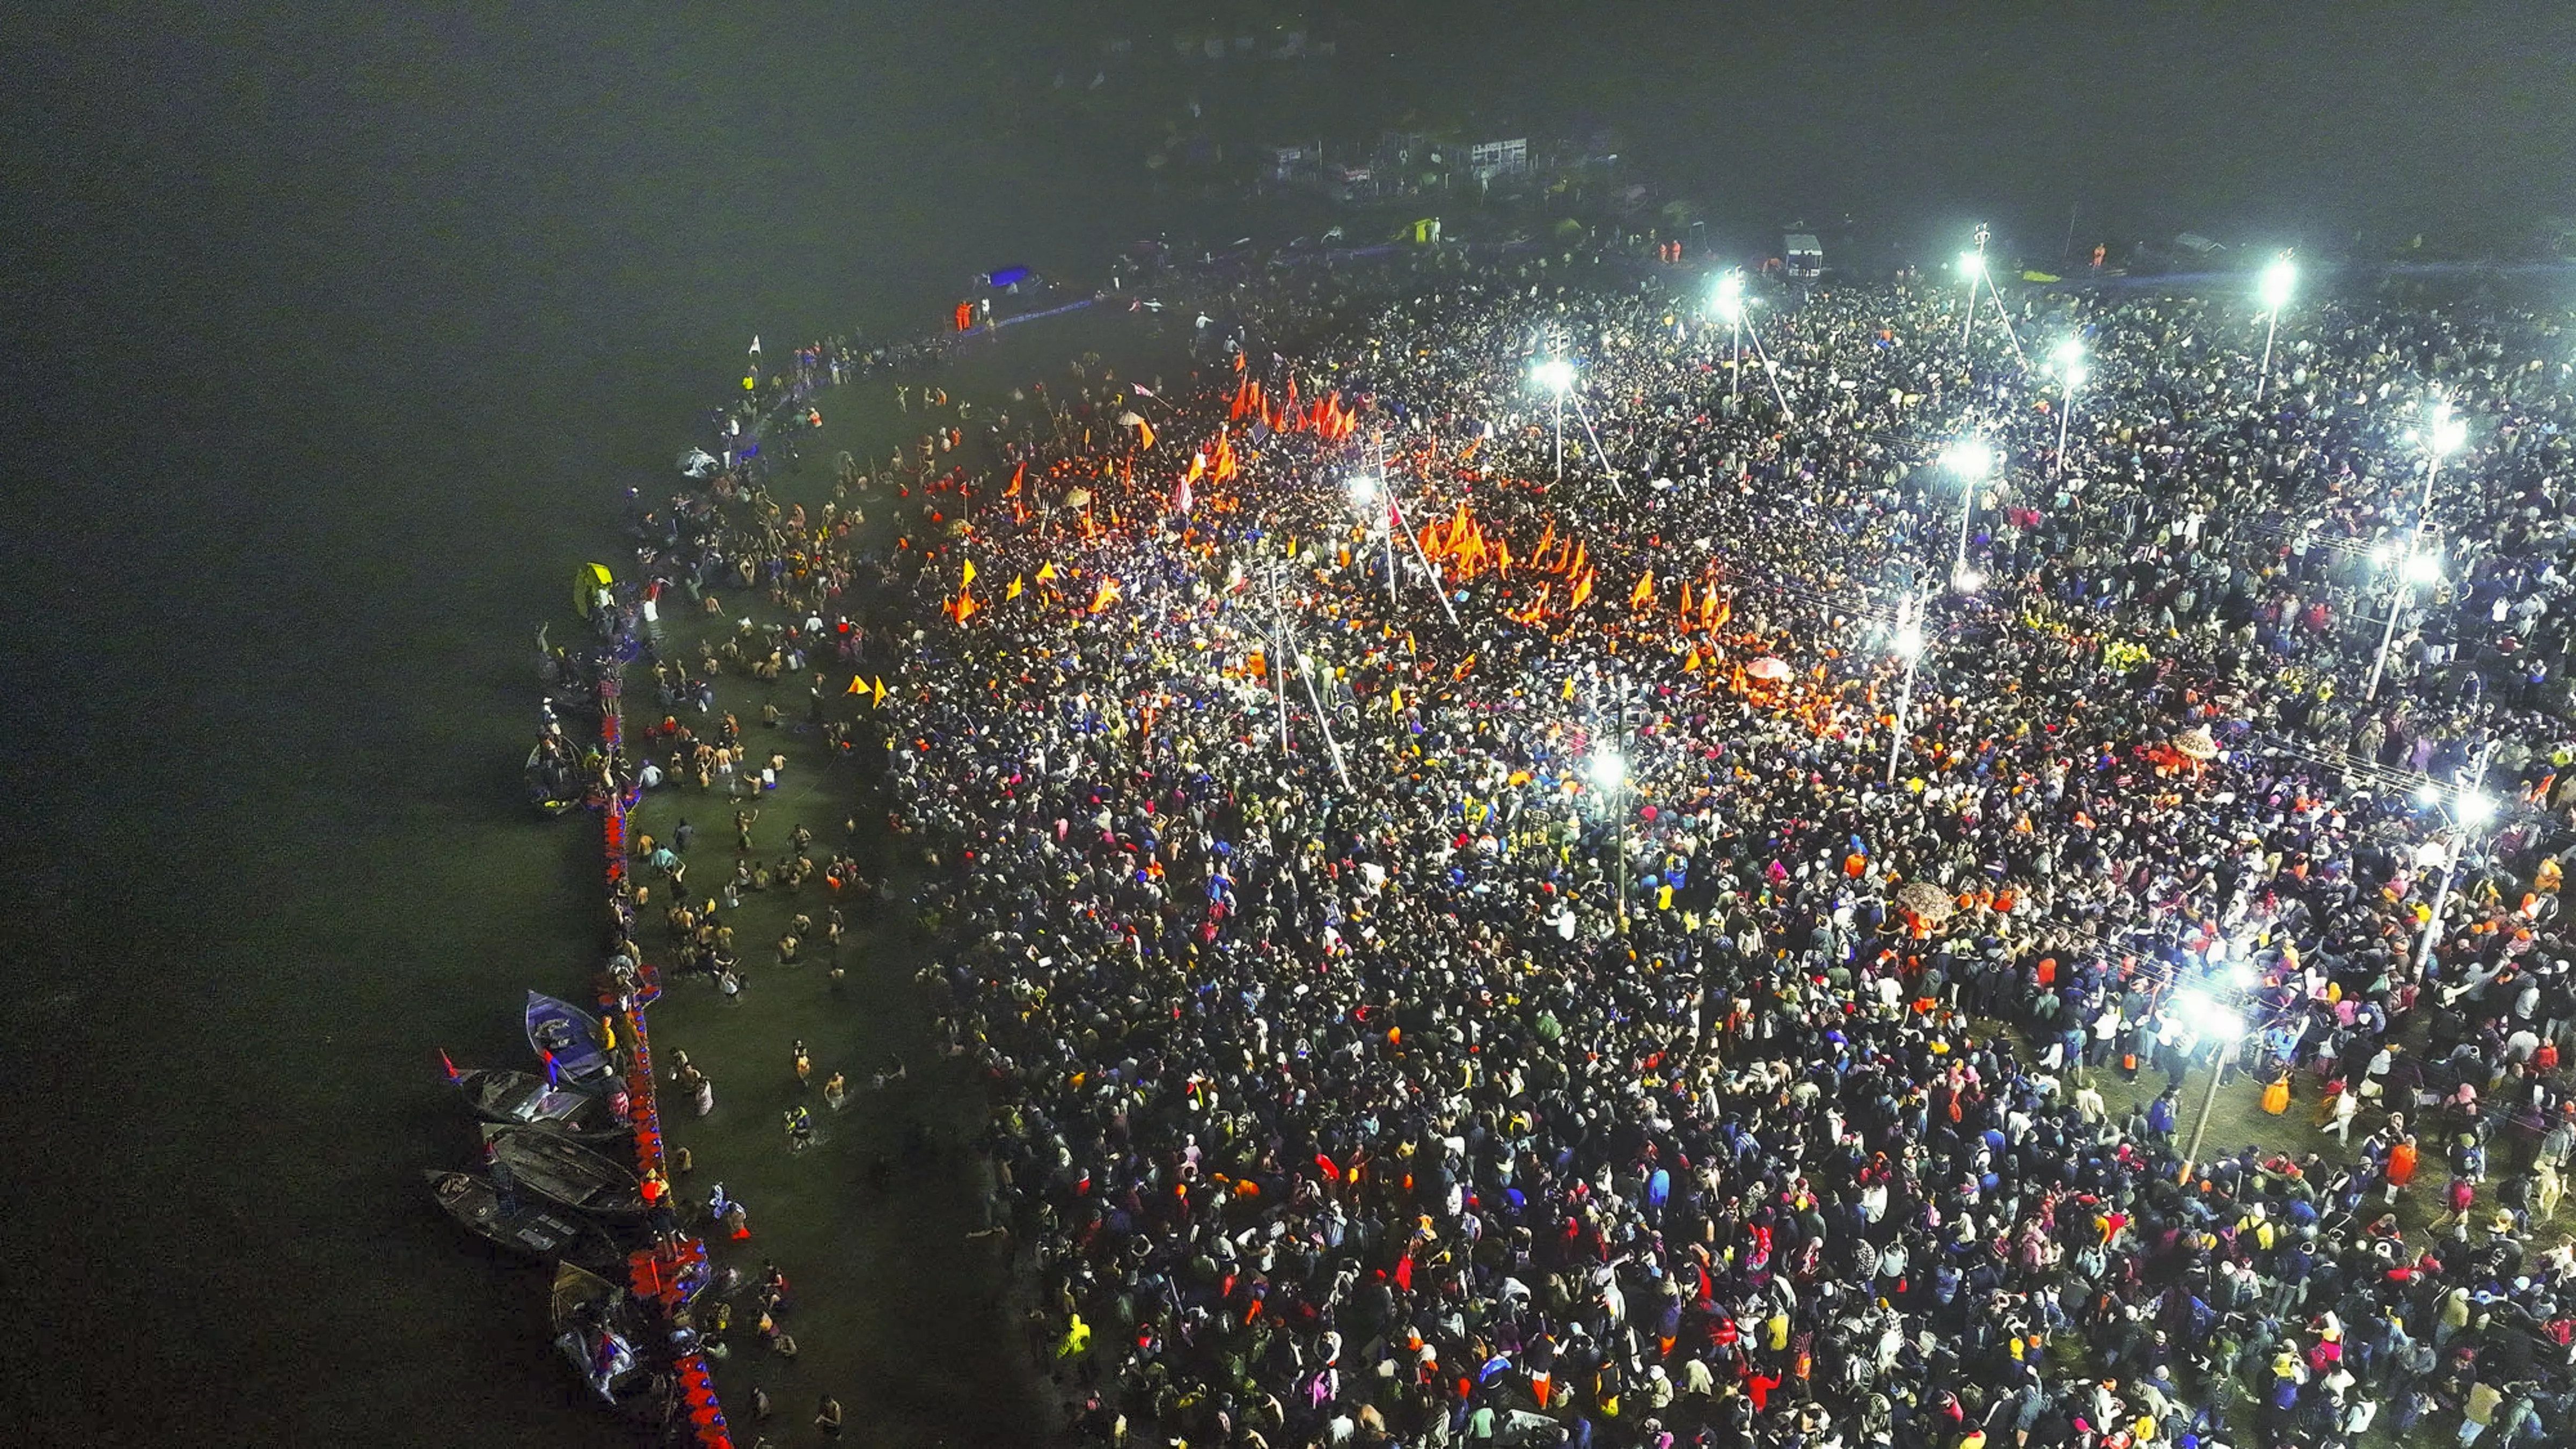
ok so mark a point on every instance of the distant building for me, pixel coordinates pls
(1294, 163)
(1803, 256)
(1489, 159)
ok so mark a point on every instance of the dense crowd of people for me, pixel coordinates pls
(1634, 920)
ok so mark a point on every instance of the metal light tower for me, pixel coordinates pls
(2070, 370)
(1556, 375)
(2466, 807)
(1609, 772)
(1730, 306)
(2279, 279)
(1906, 644)
(2442, 436)
(1972, 459)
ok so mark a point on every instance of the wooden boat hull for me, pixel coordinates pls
(572, 1034)
(538, 1229)
(563, 1171)
(522, 1099)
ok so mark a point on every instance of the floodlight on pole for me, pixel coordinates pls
(2444, 431)
(1972, 459)
(2279, 279)
(2470, 808)
(2443, 434)
(1730, 296)
(1972, 265)
(1907, 643)
(1609, 769)
(2413, 570)
(2070, 368)
(1730, 306)
(1556, 375)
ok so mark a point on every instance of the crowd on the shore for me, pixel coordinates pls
(1528, 1007)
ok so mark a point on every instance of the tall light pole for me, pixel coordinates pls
(2467, 807)
(1972, 459)
(2412, 569)
(2070, 370)
(2209, 1019)
(1397, 523)
(2441, 436)
(2279, 279)
(1365, 498)
(1730, 306)
(1906, 644)
(1556, 375)
(1972, 265)
(1609, 772)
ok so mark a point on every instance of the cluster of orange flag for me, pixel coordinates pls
(1325, 416)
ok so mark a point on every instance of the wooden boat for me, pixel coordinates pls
(562, 1170)
(537, 1229)
(597, 1324)
(548, 793)
(572, 1035)
(522, 1099)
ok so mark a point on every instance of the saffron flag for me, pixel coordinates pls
(1014, 591)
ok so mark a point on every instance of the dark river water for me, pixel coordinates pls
(335, 336)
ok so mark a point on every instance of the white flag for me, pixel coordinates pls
(755, 344)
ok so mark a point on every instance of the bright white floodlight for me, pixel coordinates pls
(2475, 808)
(1363, 491)
(2207, 1016)
(1972, 264)
(1970, 458)
(2278, 281)
(2446, 434)
(1609, 769)
(1908, 641)
(1556, 375)
(2423, 568)
(1730, 296)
